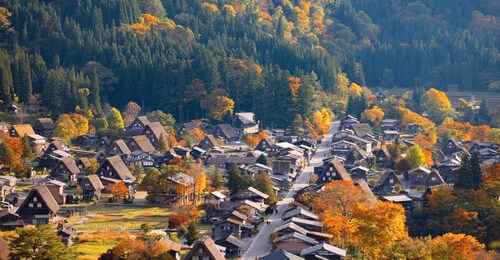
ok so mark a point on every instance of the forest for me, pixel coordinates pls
(274, 58)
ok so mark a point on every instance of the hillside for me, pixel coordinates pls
(169, 54)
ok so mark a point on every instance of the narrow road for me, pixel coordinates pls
(260, 245)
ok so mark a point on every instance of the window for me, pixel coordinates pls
(39, 205)
(31, 205)
(200, 250)
(391, 181)
(35, 199)
(433, 178)
(206, 258)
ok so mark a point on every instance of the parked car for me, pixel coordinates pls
(6, 205)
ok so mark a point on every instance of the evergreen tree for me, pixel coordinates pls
(475, 167)
(26, 151)
(234, 179)
(192, 233)
(216, 178)
(6, 155)
(94, 92)
(464, 179)
(264, 184)
(38, 243)
(484, 111)
(246, 181)
(262, 159)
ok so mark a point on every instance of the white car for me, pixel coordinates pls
(6, 205)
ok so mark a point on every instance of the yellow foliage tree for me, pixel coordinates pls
(436, 104)
(455, 246)
(374, 115)
(411, 117)
(294, 83)
(354, 90)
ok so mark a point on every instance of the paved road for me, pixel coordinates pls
(260, 245)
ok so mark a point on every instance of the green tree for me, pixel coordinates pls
(415, 157)
(26, 151)
(192, 233)
(234, 179)
(263, 183)
(464, 179)
(7, 156)
(216, 177)
(38, 243)
(94, 92)
(115, 120)
(92, 168)
(262, 159)
(475, 167)
(484, 111)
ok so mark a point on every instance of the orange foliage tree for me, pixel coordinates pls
(335, 206)
(199, 135)
(378, 227)
(119, 190)
(322, 119)
(436, 103)
(411, 117)
(294, 83)
(374, 115)
(455, 246)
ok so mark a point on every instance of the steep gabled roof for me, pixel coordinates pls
(386, 175)
(292, 226)
(362, 129)
(207, 243)
(157, 129)
(300, 211)
(421, 169)
(69, 163)
(339, 168)
(227, 130)
(121, 146)
(436, 175)
(281, 255)
(24, 129)
(46, 197)
(323, 246)
(298, 236)
(258, 192)
(117, 163)
(144, 144)
(231, 240)
(246, 118)
(46, 123)
(363, 185)
(95, 182)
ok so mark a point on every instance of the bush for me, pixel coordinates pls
(146, 227)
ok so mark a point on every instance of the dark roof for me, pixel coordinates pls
(227, 130)
(95, 181)
(157, 129)
(70, 164)
(323, 246)
(362, 129)
(122, 146)
(386, 175)
(46, 123)
(231, 240)
(45, 195)
(120, 167)
(436, 174)
(383, 150)
(339, 168)
(143, 143)
(281, 255)
(207, 243)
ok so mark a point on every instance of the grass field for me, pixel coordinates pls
(452, 96)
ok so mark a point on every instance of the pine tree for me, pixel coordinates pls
(94, 92)
(484, 112)
(26, 151)
(464, 179)
(246, 181)
(216, 178)
(475, 166)
(264, 184)
(192, 233)
(262, 159)
(234, 179)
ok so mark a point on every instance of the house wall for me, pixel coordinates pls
(292, 247)
(225, 229)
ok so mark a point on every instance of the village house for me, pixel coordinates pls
(294, 242)
(257, 168)
(44, 127)
(10, 221)
(140, 143)
(209, 142)
(280, 255)
(37, 142)
(323, 251)
(388, 181)
(182, 151)
(366, 145)
(198, 153)
(347, 121)
(267, 145)
(66, 236)
(227, 226)
(21, 130)
(452, 147)
(359, 172)
(433, 179)
(382, 156)
(403, 200)
(86, 141)
(155, 132)
(104, 142)
(137, 126)
(226, 133)
(182, 188)
(390, 135)
(56, 189)
(342, 148)
(361, 129)
(232, 244)
(91, 187)
(299, 212)
(13, 110)
(39, 207)
(119, 147)
(418, 175)
(311, 225)
(245, 123)
(289, 227)
(174, 248)
(390, 124)
(334, 170)
(250, 194)
(449, 167)
(355, 156)
(214, 198)
(205, 248)
(65, 170)
(7, 186)
(114, 170)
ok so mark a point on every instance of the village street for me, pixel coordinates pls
(259, 245)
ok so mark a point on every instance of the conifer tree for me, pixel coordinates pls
(464, 179)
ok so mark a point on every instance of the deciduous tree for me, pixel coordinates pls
(115, 120)
(416, 157)
(374, 115)
(130, 112)
(38, 243)
(436, 104)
